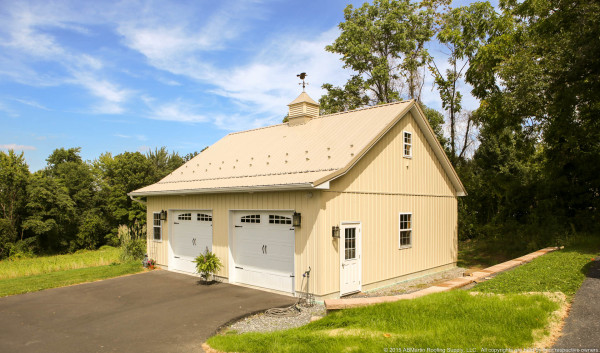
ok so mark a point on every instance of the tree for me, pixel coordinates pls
(163, 162)
(53, 214)
(542, 76)
(463, 31)
(384, 44)
(14, 177)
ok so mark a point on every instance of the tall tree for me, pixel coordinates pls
(384, 44)
(543, 77)
(14, 177)
(463, 31)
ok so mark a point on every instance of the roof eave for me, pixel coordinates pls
(259, 188)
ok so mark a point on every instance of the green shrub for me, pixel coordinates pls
(207, 264)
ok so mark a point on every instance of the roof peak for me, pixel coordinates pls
(303, 98)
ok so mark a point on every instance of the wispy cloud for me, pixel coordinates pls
(176, 110)
(14, 146)
(9, 111)
(27, 42)
(138, 137)
(31, 103)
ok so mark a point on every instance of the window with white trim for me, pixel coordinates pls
(407, 144)
(405, 226)
(157, 226)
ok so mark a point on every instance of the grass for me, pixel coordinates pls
(47, 264)
(38, 282)
(34, 274)
(452, 319)
(475, 253)
(559, 271)
(456, 319)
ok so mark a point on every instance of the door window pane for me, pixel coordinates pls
(350, 243)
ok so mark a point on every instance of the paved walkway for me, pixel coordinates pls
(337, 304)
(582, 326)
(157, 311)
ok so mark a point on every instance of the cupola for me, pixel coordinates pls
(302, 109)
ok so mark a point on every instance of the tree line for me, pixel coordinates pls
(529, 155)
(74, 204)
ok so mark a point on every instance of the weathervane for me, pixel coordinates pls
(302, 77)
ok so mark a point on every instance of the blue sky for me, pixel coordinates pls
(115, 76)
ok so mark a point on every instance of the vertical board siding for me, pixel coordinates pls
(384, 169)
(375, 191)
(221, 205)
(434, 235)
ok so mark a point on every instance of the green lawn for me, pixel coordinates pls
(46, 264)
(454, 319)
(34, 274)
(444, 320)
(64, 278)
(559, 271)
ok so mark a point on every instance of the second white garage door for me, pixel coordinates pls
(191, 235)
(264, 249)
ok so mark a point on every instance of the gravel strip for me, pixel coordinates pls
(412, 285)
(264, 323)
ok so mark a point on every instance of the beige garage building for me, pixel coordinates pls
(372, 189)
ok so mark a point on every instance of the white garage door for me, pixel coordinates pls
(264, 249)
(191, 235)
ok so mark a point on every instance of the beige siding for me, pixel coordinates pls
(384, 169)
(307, 203)
(375, 191)
(434, 238)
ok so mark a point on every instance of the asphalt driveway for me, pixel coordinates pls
(157, 311)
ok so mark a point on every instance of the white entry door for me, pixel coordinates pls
(191, 235)
(264, 249)
(350, 257)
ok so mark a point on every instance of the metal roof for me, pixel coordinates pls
(283, 156)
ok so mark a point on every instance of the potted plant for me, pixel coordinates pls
(151, 264)
(207, 264)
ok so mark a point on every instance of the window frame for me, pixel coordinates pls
(404, 144)
(156, 217)
(409, 230)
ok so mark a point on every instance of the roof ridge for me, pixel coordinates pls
(323, 116)
(363, 108)
(249, 176)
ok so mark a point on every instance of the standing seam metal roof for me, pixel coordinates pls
(280, 155)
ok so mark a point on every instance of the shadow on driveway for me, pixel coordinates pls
(157, 311)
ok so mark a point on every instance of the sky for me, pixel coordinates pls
(115, 76)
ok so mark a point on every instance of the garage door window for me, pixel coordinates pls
(204, 217)
(157, 227)
(185, 217)
(275, 219)
(253, 218)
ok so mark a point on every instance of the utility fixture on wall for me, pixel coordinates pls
(335, 232)
(297, 219)
(163, 215)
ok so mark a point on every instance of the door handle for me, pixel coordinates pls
(266, 249)
(263, 249)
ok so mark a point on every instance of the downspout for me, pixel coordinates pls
(137, 200)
